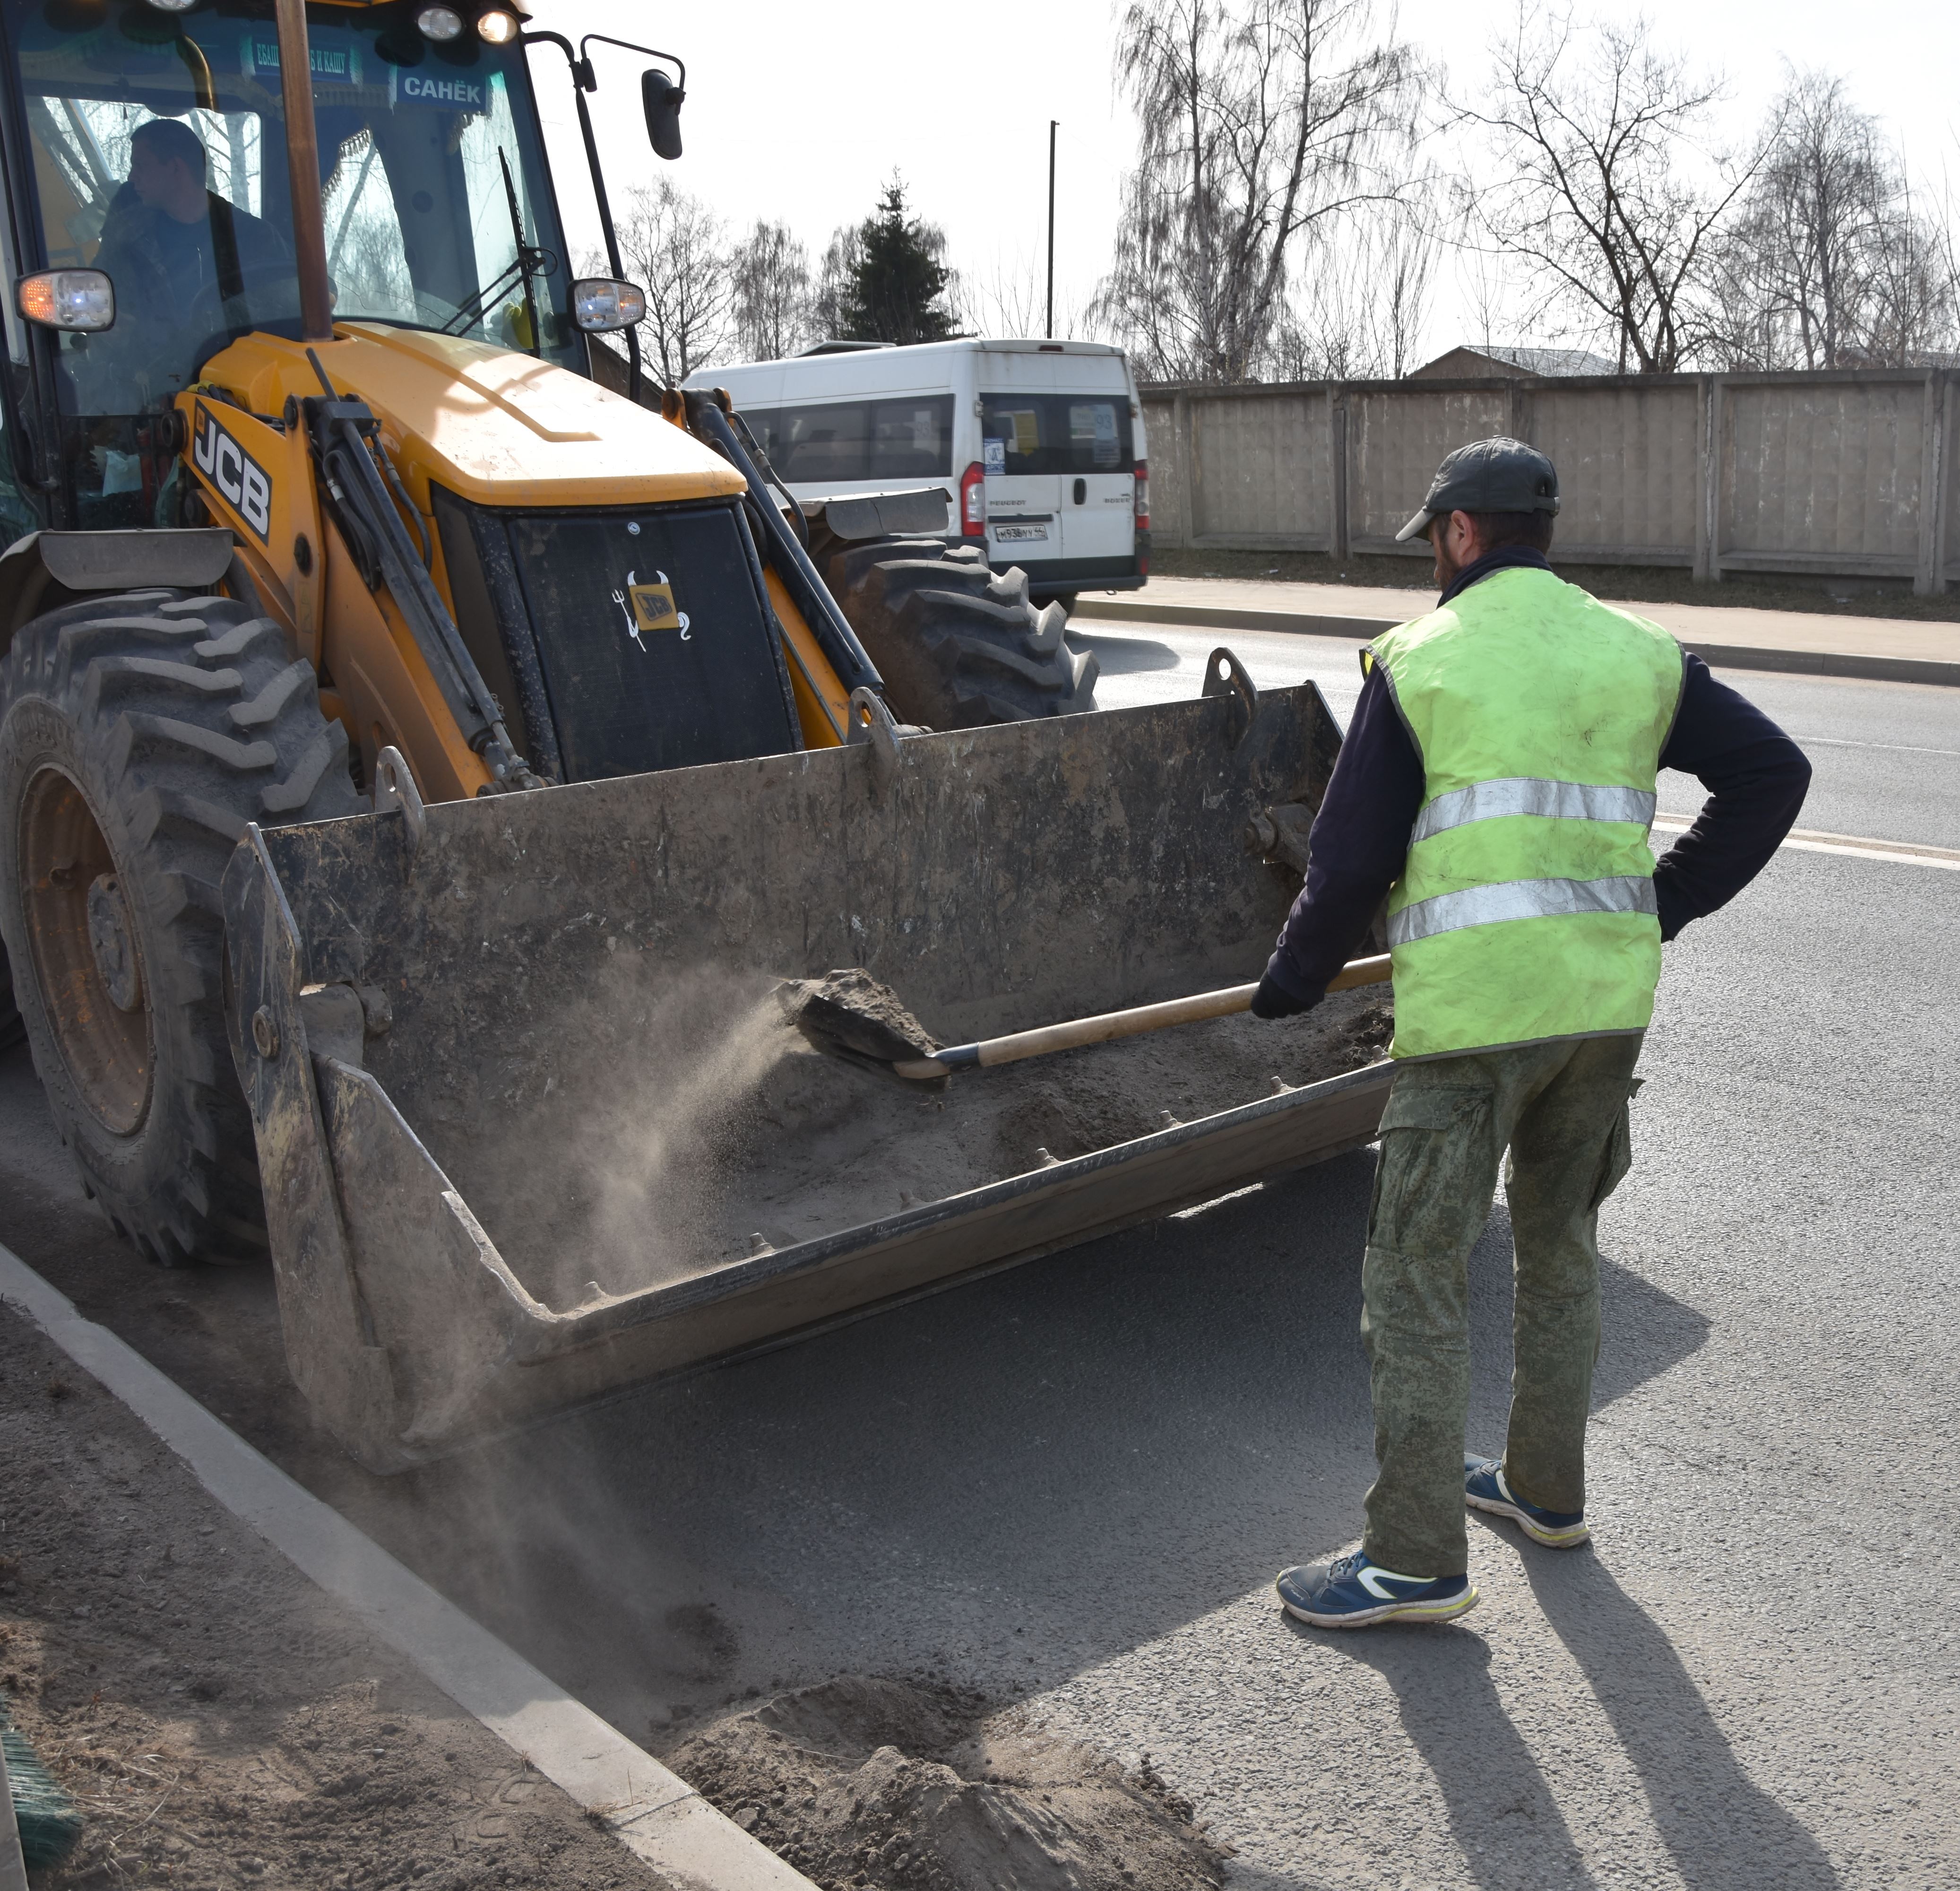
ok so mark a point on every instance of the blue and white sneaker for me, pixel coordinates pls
(1484, 1489)
(1351, 1593)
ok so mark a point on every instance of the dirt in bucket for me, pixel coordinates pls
(728, 1131)
(863, 1784)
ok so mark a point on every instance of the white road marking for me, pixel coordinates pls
(1894, 748)
(1812, 841)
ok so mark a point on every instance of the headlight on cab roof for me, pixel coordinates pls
(497, 27)
(599, 305)
(81, 301)
(440, 24)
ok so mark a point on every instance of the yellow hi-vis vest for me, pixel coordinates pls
(1526, 910)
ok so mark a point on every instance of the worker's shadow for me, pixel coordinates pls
(1718, 1825)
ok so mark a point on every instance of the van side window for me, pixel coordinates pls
(908, 438)
(1057, 433)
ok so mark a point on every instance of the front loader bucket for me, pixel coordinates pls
(531, 1129)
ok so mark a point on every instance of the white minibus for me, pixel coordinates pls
(1038, 444)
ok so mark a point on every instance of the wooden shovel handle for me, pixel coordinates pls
(1112, 1024)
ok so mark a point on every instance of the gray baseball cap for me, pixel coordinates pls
(1488, 476)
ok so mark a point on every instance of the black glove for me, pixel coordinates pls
(1273, 1000)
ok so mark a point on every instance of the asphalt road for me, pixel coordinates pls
(1886, 755)
(1072, 1484)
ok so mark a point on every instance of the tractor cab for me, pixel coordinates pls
(157, 223)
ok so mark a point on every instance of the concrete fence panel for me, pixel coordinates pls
(1629, 461)
(1265, 473)
(1846, 473)
(1395, 436)
(1823, 476)
(1170, 490)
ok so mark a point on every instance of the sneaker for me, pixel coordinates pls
(1484, 1489)
(1351, 1593)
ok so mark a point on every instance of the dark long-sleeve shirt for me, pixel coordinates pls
(1755, 776)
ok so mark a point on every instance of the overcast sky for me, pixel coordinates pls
(799, 112)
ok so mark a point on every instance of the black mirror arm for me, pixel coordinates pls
(672, 58)
(584, 81)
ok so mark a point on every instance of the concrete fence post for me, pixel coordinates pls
(1336, 483)
(1187, 469)
(1930, 578)
(1943, 548)
(1710, 550)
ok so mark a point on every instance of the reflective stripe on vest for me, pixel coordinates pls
(1527, 794)
(1519, 899)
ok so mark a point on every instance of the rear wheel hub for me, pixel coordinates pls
(114, 945)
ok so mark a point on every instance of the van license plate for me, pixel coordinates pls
(1021, 534)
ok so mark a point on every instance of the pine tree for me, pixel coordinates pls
(897, 281)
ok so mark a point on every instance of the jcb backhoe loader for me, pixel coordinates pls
(378, 683)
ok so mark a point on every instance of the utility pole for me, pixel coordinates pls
(1051, 124)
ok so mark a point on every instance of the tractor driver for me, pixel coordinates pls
(174, 247)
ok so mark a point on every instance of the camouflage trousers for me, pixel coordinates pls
(1560, 1109)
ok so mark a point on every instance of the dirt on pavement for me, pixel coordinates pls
(220, 1722)
(864, 1783)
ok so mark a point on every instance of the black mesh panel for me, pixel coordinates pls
(628, 698)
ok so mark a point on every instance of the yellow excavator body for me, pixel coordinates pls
(488, 425)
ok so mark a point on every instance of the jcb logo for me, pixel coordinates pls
(233, 471)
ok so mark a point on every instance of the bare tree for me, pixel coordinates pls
(675, 246)
(1830, 263)
(1012, 300)
(1261, 121)
(841, 258)
(1357, 308)
(771, 293)
(1603, 185)
(1913, 311)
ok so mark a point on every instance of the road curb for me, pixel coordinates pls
(1863, 666)
(660, 1819)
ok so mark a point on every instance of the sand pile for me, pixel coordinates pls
(862, 1782)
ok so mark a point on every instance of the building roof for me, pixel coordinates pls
(1462, 363)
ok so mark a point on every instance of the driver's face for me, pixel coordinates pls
(160, 182)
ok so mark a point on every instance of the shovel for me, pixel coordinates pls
(850, 1014)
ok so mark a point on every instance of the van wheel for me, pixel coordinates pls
(959, 646)
(138, 734)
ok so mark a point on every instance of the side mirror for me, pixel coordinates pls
(80, 300)
(663, 100)
(600, 304)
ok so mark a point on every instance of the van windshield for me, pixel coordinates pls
(158, 144)
(1057, 433)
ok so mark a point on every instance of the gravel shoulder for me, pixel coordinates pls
(219, 1721)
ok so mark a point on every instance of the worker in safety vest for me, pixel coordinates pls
(1497, 786)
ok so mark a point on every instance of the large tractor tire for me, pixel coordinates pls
(958, 645)
(138, 734)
